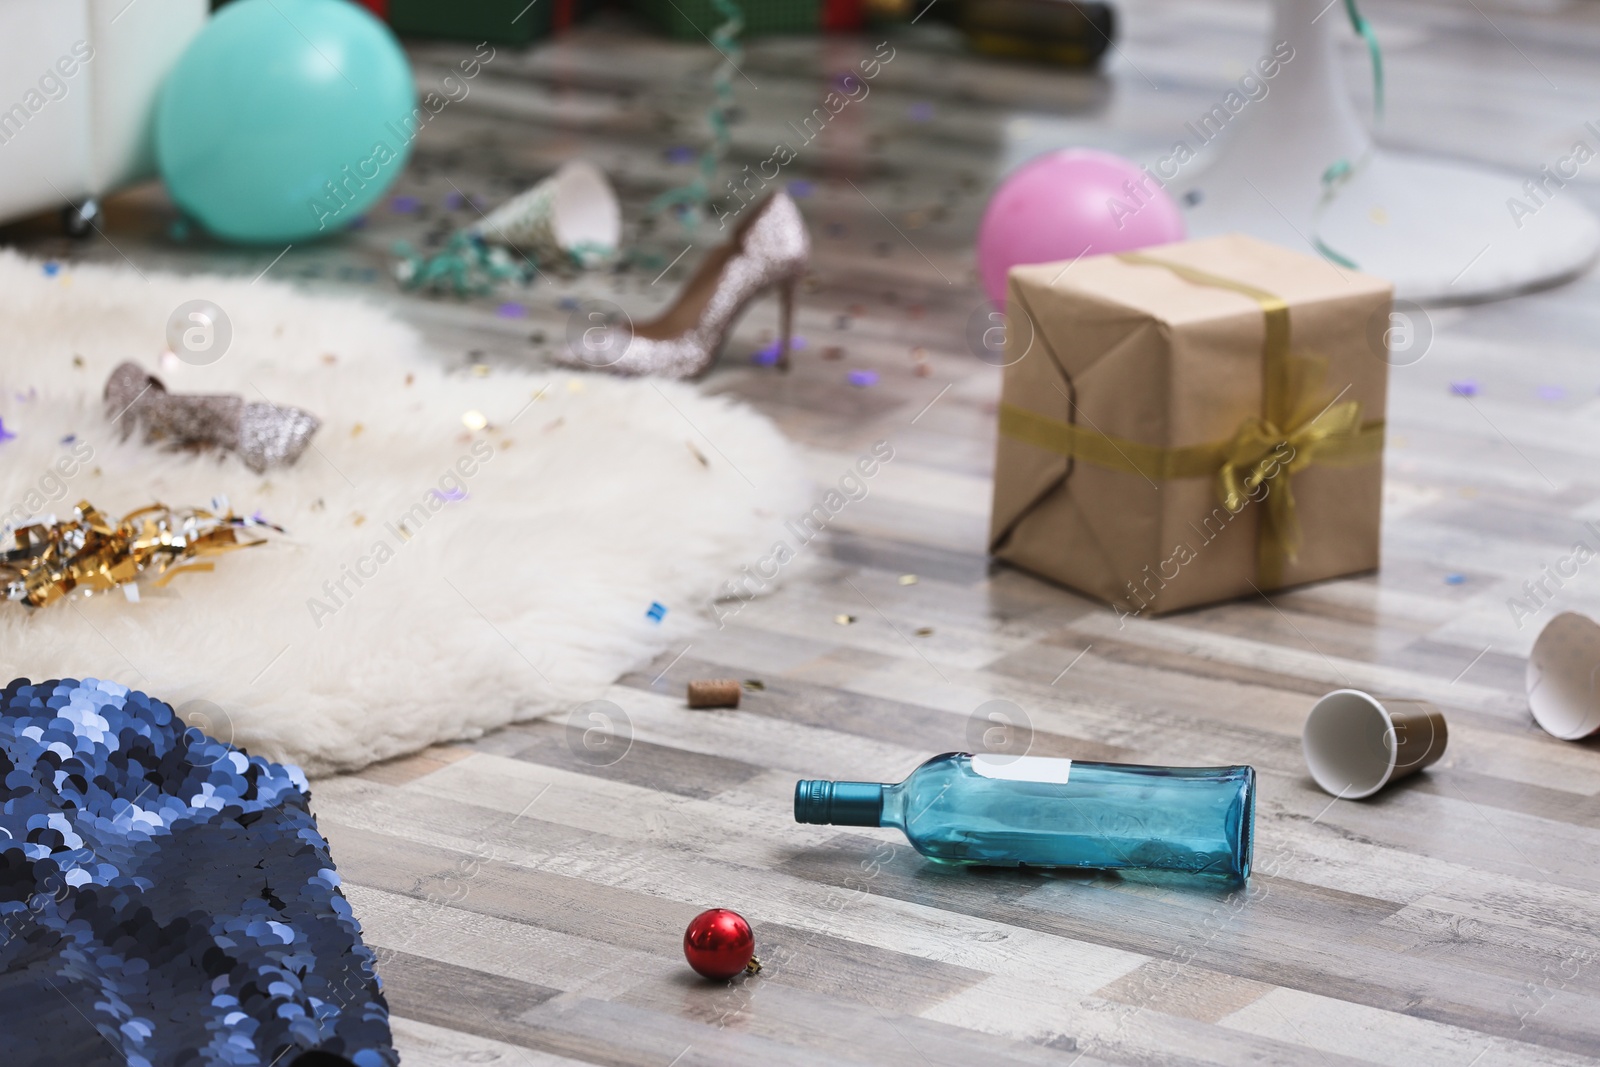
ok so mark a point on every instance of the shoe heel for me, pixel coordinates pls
(786, 290)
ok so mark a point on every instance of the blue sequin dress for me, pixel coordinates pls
(166, 899)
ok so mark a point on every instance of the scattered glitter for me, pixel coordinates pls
(924, 631)
(657, 611)
(1454, 579)
(1467, 387)
(908, 579)
(863, 377)
(680, 153)
(921, 111)
(5, 434)
(800, 189)
(511, 310)
(51, 268)
(1551, 392)
(754, 685)
(404, 205)
(474, 420)
(844, 620)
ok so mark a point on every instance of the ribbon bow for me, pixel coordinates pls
(1260, 453)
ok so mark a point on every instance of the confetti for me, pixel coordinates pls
(908, 579)
(1467, 387)
(568, 303)
(754, 685)
(474, 420)
(51, 268)
(768, 355)
(921, 111)
(697, 454)
(5, 434)
(1454, 579)
(511, 310)
(1551, 392)
(454, 201)
(680, 153)
(656, 612)
(833, 352)
(844, 620)
(800, 189)
(863, 377)
(404, 205)
(924, 631)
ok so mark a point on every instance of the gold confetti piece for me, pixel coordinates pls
(474, 420)
(358, 518)
(919, 353)
(355, 431)
(574, 385)
(410, 378)
(91, 553)
(507, 443)
(844, 620)
(1379, 216)
(697, 454)
(754, 685)
(924, 631)
(908, 579)
(77, 361)
(480, 370)
(329, 358)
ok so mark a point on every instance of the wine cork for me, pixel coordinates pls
(714, 693)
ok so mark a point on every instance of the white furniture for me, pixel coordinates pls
(1441, 231)
(78, 86)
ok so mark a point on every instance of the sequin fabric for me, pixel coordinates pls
(773, 246)
(165, 899)
(263, 435)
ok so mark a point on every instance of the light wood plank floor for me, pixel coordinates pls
(528, 904)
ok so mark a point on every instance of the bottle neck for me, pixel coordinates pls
(839, 803)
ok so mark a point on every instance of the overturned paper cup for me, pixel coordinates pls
(573, 212)
(1563, 675)
(1356, 743)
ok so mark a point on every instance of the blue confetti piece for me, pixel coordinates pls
(71, 437)
(1467, 387)
(404, 205)
(454, 201)
(768, 355)
(800, 189)
(657, 612)
(680, 153)
(5, 434)
(358, 223)
(921, 111)
(568, 303)
(863, 377)
(511, 310)
(1454, 579)
(1551, 392)
(51, 268)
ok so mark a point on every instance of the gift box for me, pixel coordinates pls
(1191, 423)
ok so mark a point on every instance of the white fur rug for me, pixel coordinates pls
(527, 596)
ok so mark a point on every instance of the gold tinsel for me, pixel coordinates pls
(45, 561)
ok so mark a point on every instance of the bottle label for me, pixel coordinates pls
(1022, 768)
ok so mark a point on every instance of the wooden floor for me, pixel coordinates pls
(528, 903)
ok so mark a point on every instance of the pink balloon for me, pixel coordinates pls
(1077, 201)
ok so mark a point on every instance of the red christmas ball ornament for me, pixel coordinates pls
(719, 944)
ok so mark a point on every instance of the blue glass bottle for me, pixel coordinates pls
(1034, 811)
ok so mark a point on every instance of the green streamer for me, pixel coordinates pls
(692, 199)
(1342, 172)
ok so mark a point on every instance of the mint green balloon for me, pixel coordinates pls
(285, 119)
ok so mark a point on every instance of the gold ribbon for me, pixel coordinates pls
(1299, 426)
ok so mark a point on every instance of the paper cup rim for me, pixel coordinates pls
(1555, 720)
(1390, 744)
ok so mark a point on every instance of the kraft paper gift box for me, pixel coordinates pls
(1192, 423)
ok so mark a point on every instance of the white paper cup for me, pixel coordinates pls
(573, 211)
(1563, 678)
(1356, 743)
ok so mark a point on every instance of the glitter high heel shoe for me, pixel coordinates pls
(768, 250)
